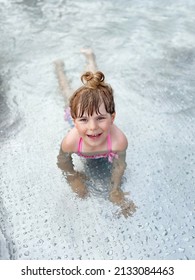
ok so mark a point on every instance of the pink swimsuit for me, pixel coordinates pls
(110, 155)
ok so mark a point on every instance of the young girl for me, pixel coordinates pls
(94, 134)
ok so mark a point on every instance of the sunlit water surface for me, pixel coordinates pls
(146, 50)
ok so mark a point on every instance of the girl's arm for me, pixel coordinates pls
(116, 195)
(75, 179)
(119, 164)
(118, 169)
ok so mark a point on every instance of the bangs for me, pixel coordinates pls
(87, 101)
(89, 104)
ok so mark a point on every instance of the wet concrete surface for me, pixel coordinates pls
(151, 68)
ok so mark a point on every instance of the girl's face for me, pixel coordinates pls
(94, 129)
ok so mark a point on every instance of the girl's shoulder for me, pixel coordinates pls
(70, 142)
(119, 139)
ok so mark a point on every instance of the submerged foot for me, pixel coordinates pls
(90, 56)
(87, 52)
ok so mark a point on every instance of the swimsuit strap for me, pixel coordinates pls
(109, 142)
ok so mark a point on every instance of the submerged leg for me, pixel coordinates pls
(91, 62)
(62, 80)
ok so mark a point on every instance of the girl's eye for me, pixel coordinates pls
(83, 120)
(101, 118)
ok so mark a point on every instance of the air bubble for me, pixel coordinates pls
(26, 253)
(181, 249)
(110, 253)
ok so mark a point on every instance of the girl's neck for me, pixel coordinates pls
(86, 148)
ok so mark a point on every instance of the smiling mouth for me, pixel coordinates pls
(94, 136)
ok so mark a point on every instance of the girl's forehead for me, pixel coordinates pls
(101, 111)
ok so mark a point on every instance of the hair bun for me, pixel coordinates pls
(88, 76)
(99, 75)
(93, 80)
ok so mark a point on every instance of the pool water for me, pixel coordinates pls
(146, 50)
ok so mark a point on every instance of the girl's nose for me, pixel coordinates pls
(92, 125)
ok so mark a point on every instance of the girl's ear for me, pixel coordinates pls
(113, 117)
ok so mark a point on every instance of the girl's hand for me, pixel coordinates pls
(127, 208)
(117, 196)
